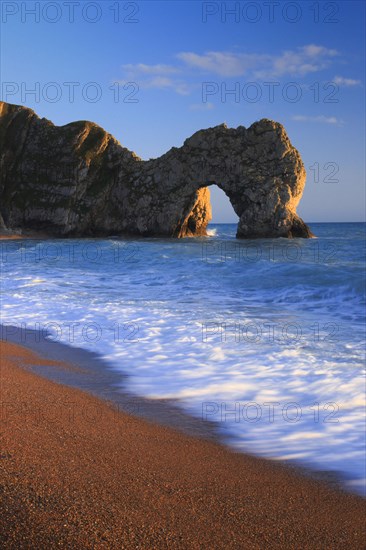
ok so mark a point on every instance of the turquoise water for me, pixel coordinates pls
(265, 337)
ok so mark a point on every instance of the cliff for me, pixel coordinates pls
(78, 180)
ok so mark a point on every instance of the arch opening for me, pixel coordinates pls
(206, 206)
(221, 207)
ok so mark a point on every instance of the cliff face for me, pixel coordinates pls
(77, 180)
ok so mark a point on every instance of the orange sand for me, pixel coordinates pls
(75, 473)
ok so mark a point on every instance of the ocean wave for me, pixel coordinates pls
(217, 325)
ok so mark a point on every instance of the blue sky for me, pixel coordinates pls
(152, 73)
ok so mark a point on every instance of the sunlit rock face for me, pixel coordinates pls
(77, 180)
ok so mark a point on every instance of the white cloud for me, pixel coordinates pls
(299, 62)
(163, 82)
(201, 106)
(320, 118)
(223, 63)
(312, 50)
(159, 83)
(303, 60)
(341, 81)
(157, 76)
(142, 68)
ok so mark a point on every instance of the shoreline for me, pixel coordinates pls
(92, 374)
(76, 476)
(85, 370)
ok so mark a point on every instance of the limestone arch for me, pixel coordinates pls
(257, 168)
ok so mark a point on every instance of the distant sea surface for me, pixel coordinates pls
(264, 337)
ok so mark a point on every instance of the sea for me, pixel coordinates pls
(263, 337)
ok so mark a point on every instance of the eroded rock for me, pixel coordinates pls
(77, 180)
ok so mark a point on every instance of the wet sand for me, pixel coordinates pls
(77, 473)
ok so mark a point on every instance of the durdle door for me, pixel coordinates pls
(78, 180)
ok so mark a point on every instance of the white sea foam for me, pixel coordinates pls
(269, 350)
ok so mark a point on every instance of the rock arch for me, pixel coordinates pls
(110, 190)
(257, 168)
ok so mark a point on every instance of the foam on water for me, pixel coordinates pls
(263, 337)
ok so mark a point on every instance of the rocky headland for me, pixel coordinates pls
(78, 180)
